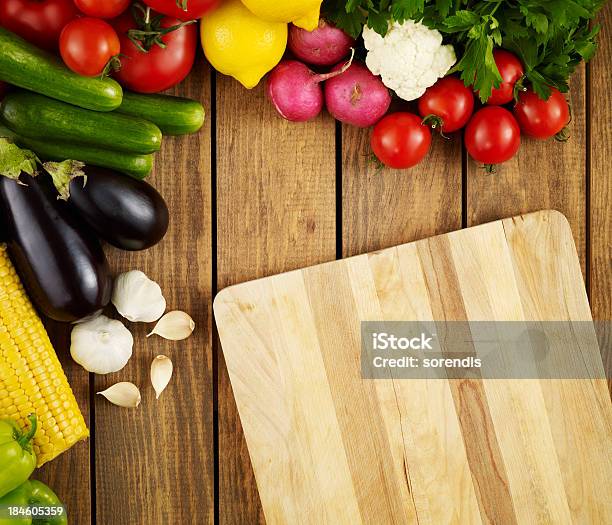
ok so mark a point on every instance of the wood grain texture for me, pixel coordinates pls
(601, 185)
(384, 207)
(155, 464)
(275, 212)
(73, 464)
(317, 431)
(543, 175)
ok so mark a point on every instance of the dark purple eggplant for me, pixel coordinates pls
(61, 264)
(127, 213)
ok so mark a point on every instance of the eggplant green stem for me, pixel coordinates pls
(63, 173)
(15, 160)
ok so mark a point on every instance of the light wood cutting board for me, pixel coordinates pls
(330, 447)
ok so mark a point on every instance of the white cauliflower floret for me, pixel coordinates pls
(409, 58)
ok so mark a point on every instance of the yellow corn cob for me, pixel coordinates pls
(31, 377)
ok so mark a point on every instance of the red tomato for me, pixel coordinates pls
(542, 118)
(511, 70)
(183, 9)
(492, 135)
(39, 22)
(157, 68)
(449, 102)
(400, 140)
(102, 8)
(87, 45)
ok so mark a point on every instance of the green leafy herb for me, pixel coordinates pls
(550, 36)
(14, 160)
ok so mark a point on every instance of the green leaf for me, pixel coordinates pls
(346, 17)
(379, 22)
(443, 7)
(539, 84)
(586, 45)
(406, 9)
(14, 161)
(477, 65)
(461, 21)
(539, 22)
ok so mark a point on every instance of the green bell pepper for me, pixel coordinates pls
(32, 503)
(17, 458)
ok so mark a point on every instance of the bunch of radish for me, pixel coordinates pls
(351, 93)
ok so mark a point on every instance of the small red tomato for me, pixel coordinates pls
(400, 140)
(511, 70)
(39, 22)
(447, 104)
(492, 135)
(102, 8)
(87, 45)
(542, 118)
(183, 9)
(155, 68)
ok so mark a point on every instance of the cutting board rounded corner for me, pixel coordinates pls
(221, 297)
(551, 215)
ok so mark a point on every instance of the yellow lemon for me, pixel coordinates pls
(239, 44)
(303, 13)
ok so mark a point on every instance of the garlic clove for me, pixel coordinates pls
(122, 394)
(138, 298)
(101, 345)
(175, 326)
(161, 373)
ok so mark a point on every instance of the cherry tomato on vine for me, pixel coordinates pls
(88, 45)
(542, 118)
(400, 140)
(447, 105)
(156, 54)
(492, 135)
(183, 9)
(38, 21)
(102, 8)
(511, 70)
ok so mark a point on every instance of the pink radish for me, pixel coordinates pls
(356, 96)
(324, 46)
(295, 90)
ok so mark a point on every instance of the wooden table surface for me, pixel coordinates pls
(253, 195)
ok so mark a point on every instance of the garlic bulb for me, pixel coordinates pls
(101, 345)
(138, 298)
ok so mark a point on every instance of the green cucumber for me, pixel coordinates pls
(23, 64)
(173, 115)
(137, 166)
(38, 117)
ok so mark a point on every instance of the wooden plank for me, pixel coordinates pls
(155, 464)
(601, 185)
(543, 175)
(384, 207)
(60, 473)
(276, 211)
